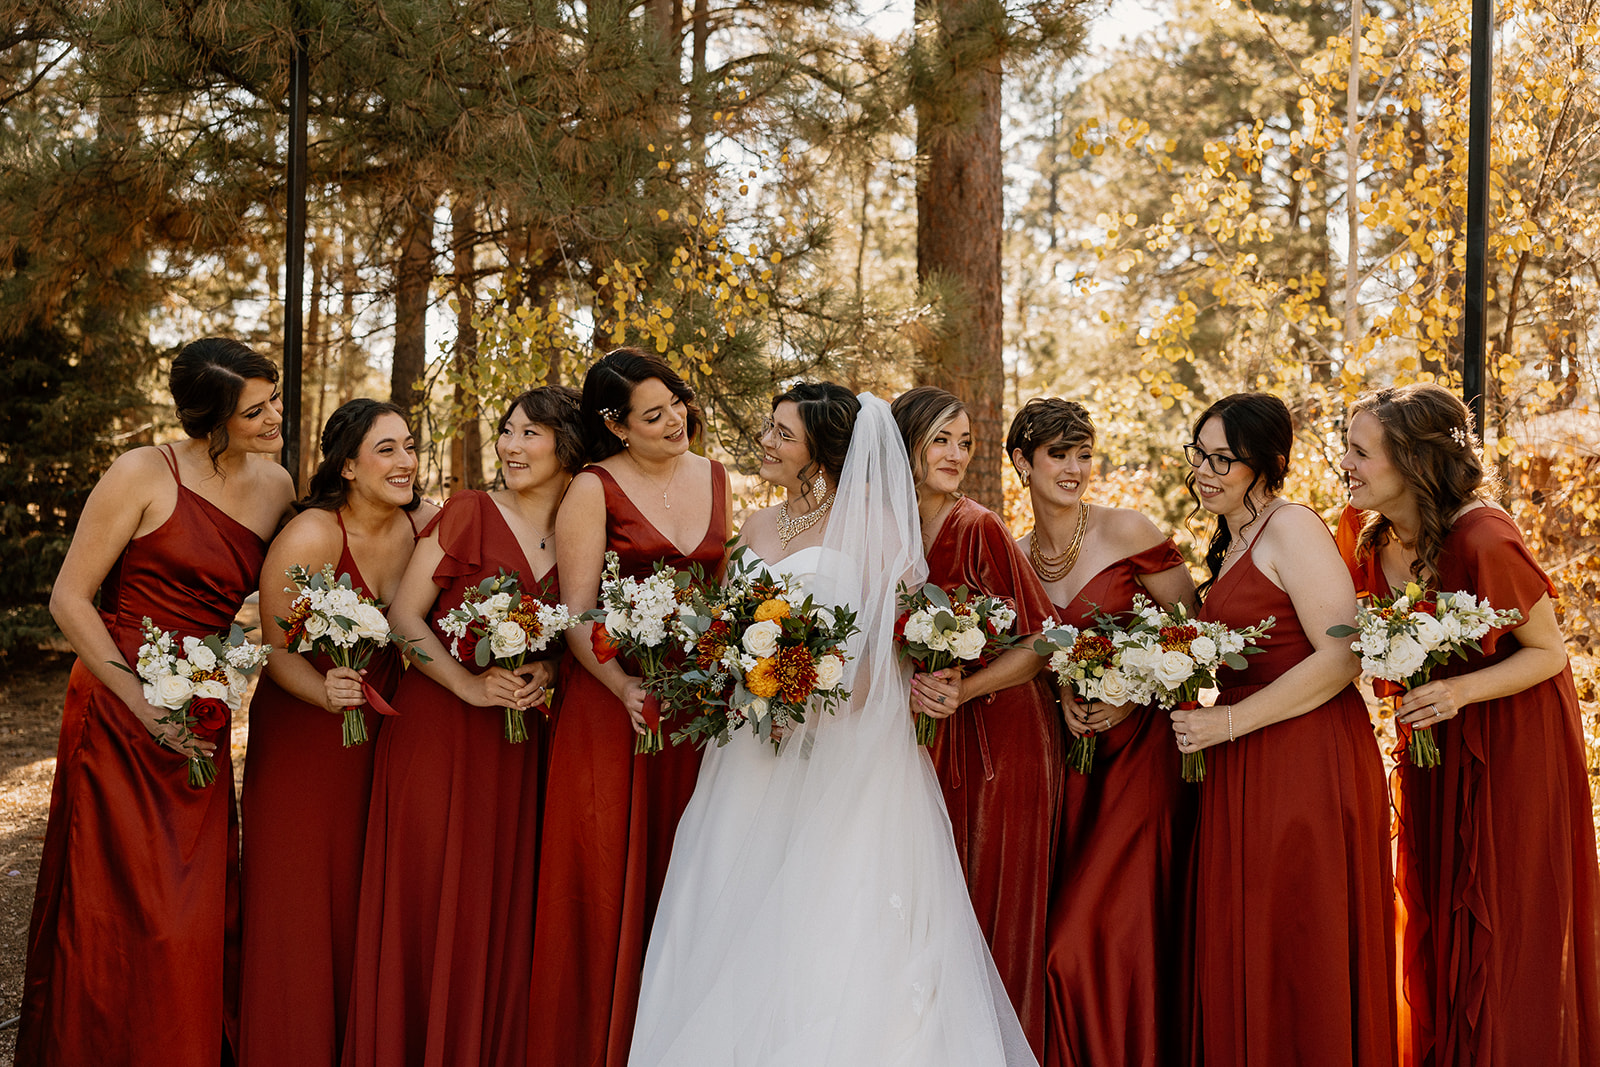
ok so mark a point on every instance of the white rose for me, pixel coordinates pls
(762, 638)
(370, 625)
(1429, 633)
(757, 709)
(202, 658)
(830, 671)
(968, 644)
(919, 628)
(1113, 687)
(237, 684)
(1203, 649)
(212, 689)
(171, 691)
(316, 626)
(1173, 669)
(508, 640)
(497, 604)
(616, 623)
(1406, 656)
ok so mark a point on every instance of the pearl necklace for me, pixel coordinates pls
(1054, 568)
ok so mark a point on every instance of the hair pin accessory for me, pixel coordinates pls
(1459, 436)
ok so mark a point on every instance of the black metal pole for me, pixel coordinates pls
(294, 268)
(1480, 101)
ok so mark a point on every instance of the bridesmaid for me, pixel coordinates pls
(1496, 848)
(611, 814)
(305, 795)
(131, 943)
(1000, 756)
(1294, 959)
(1115, 936)
(444, 931)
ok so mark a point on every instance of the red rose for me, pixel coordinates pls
(1426, 607)
(210, 714)
(469, 645)
(605, 649)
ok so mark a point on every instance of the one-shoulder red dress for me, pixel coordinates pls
(1499, 893)
(132, 947)
(444, 933)
(1117, 940)
(1001, 762)
(304, 805)
(609, 821)
(1294, 902)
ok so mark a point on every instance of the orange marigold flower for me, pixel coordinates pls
(797, 675)
(772, 609)
(762, 679)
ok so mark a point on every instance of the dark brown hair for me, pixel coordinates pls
(342, 436)
(1260, 433)
(828, 417)
(608, 393)
(206, 380)
(920, 413)
(557, 407)
(1045, 420)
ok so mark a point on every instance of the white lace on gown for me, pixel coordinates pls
(814, 913)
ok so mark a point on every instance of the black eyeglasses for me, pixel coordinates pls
(1219, 465)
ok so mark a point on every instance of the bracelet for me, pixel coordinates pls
(1230, 722)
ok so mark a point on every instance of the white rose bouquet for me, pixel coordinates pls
(955, 628)
(1089, 662)
(760, 652)
(201, 681)
(497, 623)
(1180, 656)
(328, 617)
(644, 619)
(1403, 637)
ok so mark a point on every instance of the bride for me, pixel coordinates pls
(814, 911)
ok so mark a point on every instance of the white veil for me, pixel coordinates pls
(815, 911)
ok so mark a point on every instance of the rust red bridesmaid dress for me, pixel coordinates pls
(444, 936)
(1001, 762)
(608, 829)
(1496, 871)
(304, 805)
(1117, 940)
(132, 945)
(1294, 903)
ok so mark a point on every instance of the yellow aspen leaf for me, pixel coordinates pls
(661, 213)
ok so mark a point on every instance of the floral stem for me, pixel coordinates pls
(516, 726)
(1080, 757)
(355, 727)
(927, 730)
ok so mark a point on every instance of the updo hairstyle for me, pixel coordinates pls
(206, 380)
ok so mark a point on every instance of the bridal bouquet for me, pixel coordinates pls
(761, 649)
(328, 617)
(497, 623)
(1403, 637)
(1089, 662)
(200, 681)
(643, 618)
(1181, 656)
(939, 629)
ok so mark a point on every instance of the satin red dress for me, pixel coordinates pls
(608, 828)
(1117, 940)
(1294, 903)
(444, 936)
(1499, 894)
(304, 805)
(132, 946)
(1001, 762)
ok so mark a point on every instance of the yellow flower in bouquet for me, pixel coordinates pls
(772, 609)
(762, 679)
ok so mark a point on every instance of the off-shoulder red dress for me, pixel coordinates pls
(132, 947)
(608, 828)
(1294, 903)
(304, 806)
(1001, 762)
(1117, 941)
(444, 933)
(1499, 894)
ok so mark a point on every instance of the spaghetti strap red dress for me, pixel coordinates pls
(444, 931)
(1001, 762)
(608, 827)
(1498, 889)
(133, 942)
(304, 806)
(1294, 903)
(1117, 941)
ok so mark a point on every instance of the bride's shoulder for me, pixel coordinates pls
(759, 528)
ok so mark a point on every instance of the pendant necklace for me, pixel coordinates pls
(789, 529)
(1054, 568)
(670, 478)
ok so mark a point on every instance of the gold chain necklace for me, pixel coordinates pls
(1055, 568)
(789, 529)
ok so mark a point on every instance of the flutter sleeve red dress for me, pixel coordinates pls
(1496, 870)
(1001, 762)
(444, 937)
(609, 822)
(304, 805)
(1117, 940)
(1294, 903)
(132, 946)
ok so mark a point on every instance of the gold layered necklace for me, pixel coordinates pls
(1054, 568)
(789, 529)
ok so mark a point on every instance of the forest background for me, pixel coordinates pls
(1143, 208)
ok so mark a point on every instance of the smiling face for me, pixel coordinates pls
(1221, 494)
(385, 469)
(945, 458)
(1376, 484)
(785, 459)
(527, 452)
(257, 421)
(657, 425)
(1058, 473)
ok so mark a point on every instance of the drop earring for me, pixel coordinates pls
(1026, 475)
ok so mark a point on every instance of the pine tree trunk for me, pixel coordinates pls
(413, 277)
(466, 449)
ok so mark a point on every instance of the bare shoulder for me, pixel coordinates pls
(1132, 529)
(313, 534)
(139, 466)
(1295, 535)
(424, 514)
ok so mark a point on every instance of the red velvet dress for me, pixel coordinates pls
(1499, 895)
(1117, 939)
(1294, 905)
(1001, 762)
(444, 936)
(132, 947)
(608, 830)
(304, 805)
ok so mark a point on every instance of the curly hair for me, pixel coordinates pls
(828, 416)
(1428, 436)
(342, 436)
(1045, 420)
(608, 394)
(920, 413)
(205, 381)
(1260, 433)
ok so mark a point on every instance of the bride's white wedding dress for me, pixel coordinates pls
(814, 912)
